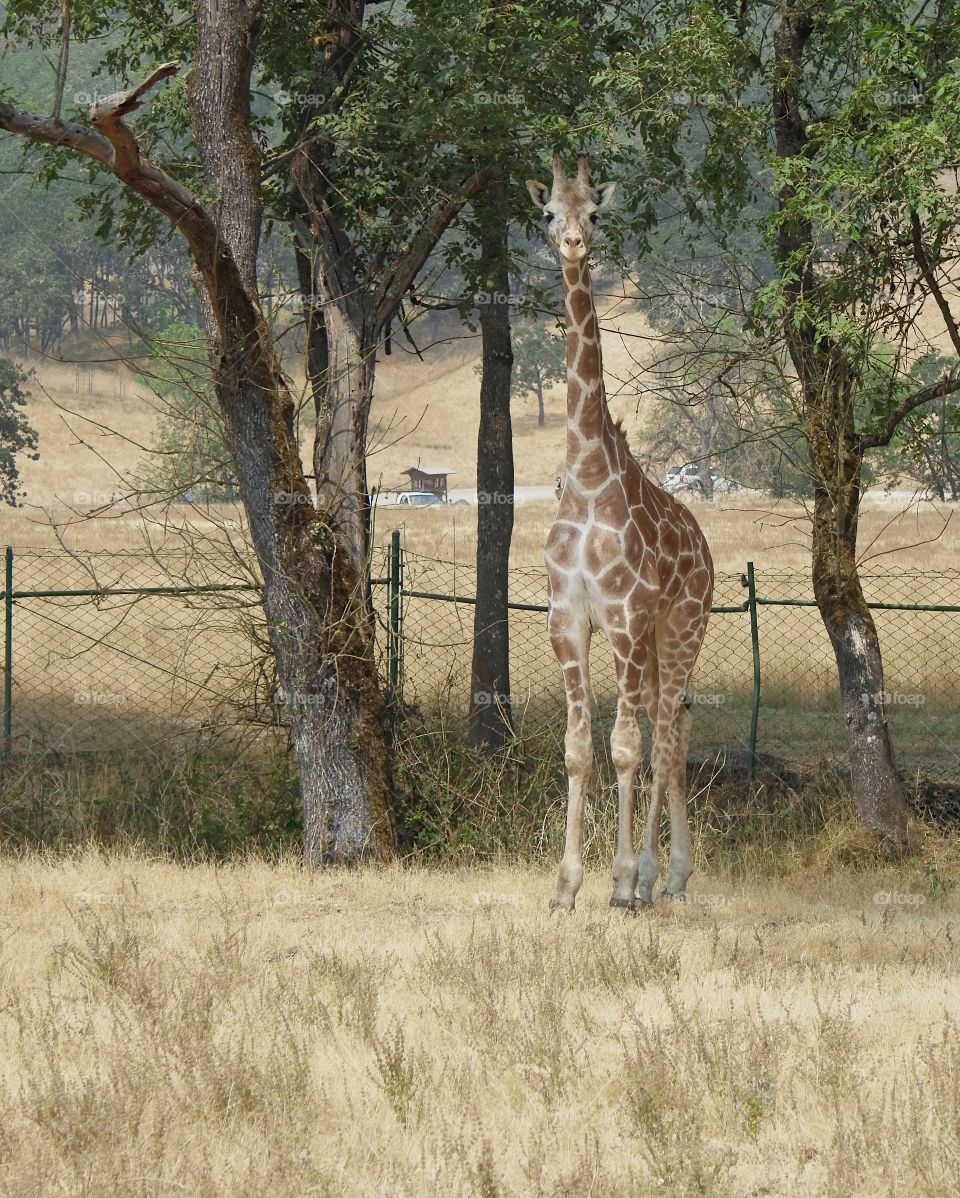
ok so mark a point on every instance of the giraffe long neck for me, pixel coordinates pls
(588, 418)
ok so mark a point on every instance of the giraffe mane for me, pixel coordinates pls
(620, 432)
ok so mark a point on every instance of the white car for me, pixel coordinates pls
(682, 478)
(687, 478)
(410, 499)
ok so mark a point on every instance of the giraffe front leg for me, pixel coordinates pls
(625, 752)
(570, 638)
(578, 759)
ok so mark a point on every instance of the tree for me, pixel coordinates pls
(718, 398)
(313, 593)
(490, 715)
(538, 361)
(846, 118)
(16, 434)
(519, 84)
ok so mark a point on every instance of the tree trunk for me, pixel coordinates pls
(342, 407)
(541, 411)
(836, 457)
(313, 590)
(849, 623)
(490, 717)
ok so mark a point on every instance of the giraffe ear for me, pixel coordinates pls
(539, 193)
(603, 195)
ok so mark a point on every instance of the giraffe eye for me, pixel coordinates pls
(594, 218)
(548, 216)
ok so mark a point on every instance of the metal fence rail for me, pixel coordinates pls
(116, 650)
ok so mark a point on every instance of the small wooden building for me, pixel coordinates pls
(432, 479)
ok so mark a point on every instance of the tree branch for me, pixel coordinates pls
(926, 269)
(946, 385)
(105, 115)
(62, 62)
(405, 270)
(113, 145)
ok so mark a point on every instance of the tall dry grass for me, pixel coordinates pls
(252, 1030)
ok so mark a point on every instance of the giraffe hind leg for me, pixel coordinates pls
(681, 857)
(669, 761)
(647, 865)
(626, 751)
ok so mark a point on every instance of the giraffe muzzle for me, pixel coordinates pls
(572, 247)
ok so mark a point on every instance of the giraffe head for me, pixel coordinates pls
(571, 208)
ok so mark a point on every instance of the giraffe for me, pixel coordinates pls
(624, 558)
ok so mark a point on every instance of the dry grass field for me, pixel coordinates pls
(253, 1029)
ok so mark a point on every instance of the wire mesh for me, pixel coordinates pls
(124, 665)
(438, 639)
(92, 668)
(800, 708)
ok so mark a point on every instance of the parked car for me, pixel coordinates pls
(723, 485)
(687, 478)
(411, 499)
(682, 478)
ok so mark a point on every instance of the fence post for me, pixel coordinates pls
(751, 583)
(8, 653)
(395, 575)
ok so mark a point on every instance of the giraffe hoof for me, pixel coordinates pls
(562, 905)
(625, 904)
(678, 896)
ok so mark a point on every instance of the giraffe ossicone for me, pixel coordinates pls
(626, 559)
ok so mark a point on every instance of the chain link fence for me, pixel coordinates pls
(766, 678)
(115, 650)
(437, 640)
(118, 650)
